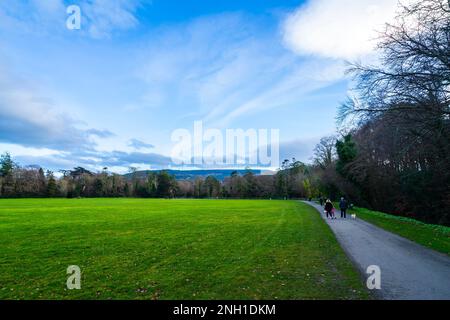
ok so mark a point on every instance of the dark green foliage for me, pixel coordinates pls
(52, 188)
(6, 164)
(346, 151)
(212, 186)
(98, 187)
(166, 185)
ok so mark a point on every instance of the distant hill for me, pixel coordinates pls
(219, 174)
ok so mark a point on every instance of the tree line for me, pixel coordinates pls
(291, 181)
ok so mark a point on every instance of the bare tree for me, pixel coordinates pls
(324, 152)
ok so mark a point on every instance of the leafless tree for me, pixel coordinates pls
(324, 152)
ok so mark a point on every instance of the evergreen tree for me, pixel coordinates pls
(52, 188)
(7, 165)
(346, 151)
(42, 182)
(166, 185)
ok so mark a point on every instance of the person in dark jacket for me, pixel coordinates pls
(321, 201)
(329, 208)
(343, 205)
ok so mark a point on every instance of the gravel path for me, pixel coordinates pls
(408, 270)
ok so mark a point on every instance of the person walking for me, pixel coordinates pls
(343, 205)
(321, 201)
(329, 208)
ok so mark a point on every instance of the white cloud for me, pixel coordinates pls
(344, 29)
(18, 150)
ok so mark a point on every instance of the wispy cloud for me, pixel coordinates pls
(100, 18)
(138, 144)
(221, 68)
(289, 88)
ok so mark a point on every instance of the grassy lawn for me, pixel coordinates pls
(171, 249)
(433, 236)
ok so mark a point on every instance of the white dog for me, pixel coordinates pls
(353, 216)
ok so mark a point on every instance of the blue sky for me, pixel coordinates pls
(111, 93)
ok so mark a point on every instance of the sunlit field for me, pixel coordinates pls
(171, 249)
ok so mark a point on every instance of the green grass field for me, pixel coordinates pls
(171, 249)
(433, 236)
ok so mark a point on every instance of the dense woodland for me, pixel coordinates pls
(392, 152)
(395, 155)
